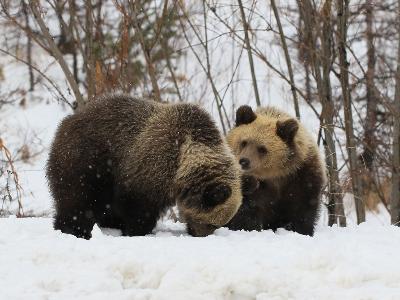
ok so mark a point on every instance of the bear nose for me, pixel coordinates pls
(245, 163)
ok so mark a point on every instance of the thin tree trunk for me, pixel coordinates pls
(335, 201)
(250, 55)
(395, 195)
(91, 68)
(29, 48)
(287, 58)
(73, 26)
(344, 81)
(57, 54)
(370, 142)
(308, 82)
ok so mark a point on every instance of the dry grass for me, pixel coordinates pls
(14, 175)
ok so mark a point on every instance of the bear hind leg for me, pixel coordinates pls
(74, 212)
(141, 219)
(77, 222)
(139, 215)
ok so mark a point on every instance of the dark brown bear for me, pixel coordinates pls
(276, 149)
(121, 162)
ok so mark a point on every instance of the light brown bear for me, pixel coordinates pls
(277, 150)
(121, 162)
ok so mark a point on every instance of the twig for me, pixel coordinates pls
(18, 187)
(42, 74)
(220, 106)
(147, 53)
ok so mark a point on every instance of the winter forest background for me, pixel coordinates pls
(335, 64)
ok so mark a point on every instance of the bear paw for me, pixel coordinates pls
(249, 184)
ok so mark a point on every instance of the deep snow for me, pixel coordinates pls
(357, 262)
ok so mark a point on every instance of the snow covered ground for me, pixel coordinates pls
(36, 262)
(358, 262)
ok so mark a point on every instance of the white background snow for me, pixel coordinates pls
(358, 262)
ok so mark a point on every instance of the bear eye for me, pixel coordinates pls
(262, 150)
(243, 144)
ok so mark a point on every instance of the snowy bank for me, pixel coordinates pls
(359, 262)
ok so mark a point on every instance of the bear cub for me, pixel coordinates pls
(288, 173)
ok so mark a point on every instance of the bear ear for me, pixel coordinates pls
(245, 115)
(287, 130)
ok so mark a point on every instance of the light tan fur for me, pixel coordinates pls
(198, 156)
(193, 156)
(262, 131)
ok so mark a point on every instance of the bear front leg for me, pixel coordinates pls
(247, 218)
(137, 213)
(302, 226)
(77, 221)
(305, 223)
(249, 184)
(306, 214)
(138, 226)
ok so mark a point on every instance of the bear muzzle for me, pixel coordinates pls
(244, 163)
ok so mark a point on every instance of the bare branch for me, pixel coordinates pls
(57, 54)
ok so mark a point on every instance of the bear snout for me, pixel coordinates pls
(245, 163)
(200, 230)
(216, 193)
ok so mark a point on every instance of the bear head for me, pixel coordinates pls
(268, 143)
(207, 186)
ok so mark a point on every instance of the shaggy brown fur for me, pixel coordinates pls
(276, 149)
(121, 162)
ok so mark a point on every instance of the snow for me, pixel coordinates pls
(358, 262)
(37, 123)
(36, 262)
